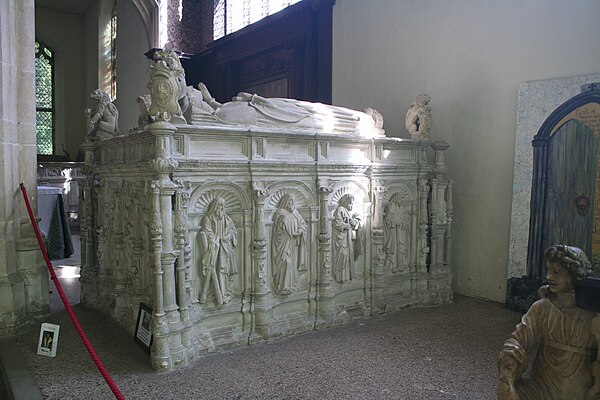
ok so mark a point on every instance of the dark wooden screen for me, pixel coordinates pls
(287, 54)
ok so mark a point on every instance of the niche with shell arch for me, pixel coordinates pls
(357, 246)
(302, 250)
(399, 225)
(236, 207)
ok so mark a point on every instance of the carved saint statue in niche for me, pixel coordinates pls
(102, 120)
(418, 117)
(346, 245)
(288, 243)
(396, 228)
(562, 368)
(217, 241)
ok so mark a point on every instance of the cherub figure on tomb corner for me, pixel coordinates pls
(288, 243)
(562, 332)
(102, 120)
(418, 118)
(217, 241)
(347, 244)
(396, 226)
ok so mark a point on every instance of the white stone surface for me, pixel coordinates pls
(191, 220)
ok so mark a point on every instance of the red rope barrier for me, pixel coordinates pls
(84, 338)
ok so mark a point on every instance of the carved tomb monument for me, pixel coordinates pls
(257, 219)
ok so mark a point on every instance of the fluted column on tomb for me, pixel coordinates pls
(160, 330)
(163, 165)
(325, 295)
(262, 292)
(377, 243)
(183, 270)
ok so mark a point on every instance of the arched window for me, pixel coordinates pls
(113, 52)
(232, 15)
(44, 99)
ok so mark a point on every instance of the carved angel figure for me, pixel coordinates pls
(102, 120)
(396, 229)
(217, 241)
(418, 117)
(562, 368)
(345, 250)
(288, 239)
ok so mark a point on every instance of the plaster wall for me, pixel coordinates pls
(92, 44)
(65, 33)
(470, 56)
(132, 66)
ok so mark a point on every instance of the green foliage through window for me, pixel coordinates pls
(44, 99)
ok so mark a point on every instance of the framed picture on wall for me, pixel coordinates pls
(48, 341)
(142, 335)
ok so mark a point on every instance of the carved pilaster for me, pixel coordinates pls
(262, 292)
(439, 164)
(160, 347)
(121, 297)
(324, 296)
(423, 242)
(377, 243)
(449, 216)
(182, 246)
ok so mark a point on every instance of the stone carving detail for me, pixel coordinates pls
(346, 241)
(418, 118)
(102, 120)
(397, 231)
(167, 87)
(288, 243)
(266, 223)
(252, 109)
(217, 241)
(567, 347)
(144, 101)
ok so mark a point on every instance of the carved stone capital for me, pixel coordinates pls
(259, 192)
(163, 165)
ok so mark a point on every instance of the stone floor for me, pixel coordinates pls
(446, 352)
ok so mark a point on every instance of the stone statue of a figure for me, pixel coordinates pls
(418, 118)
(396, 227)
(102, 120)
(288, 243)
(252, 109)
(217, 241)
(562, 368)
(255, 110)
(345, 250)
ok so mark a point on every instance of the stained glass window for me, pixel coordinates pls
(113, 52)
(44, 98)
(232, 15)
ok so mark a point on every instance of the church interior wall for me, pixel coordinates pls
(65, 34)
(470, 57)
(132, 66)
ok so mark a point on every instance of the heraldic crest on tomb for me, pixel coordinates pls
(237, 231)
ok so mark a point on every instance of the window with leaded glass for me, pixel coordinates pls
(113, 52)
(232, 15)
(44, 99)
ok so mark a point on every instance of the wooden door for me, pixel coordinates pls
(570, 186)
